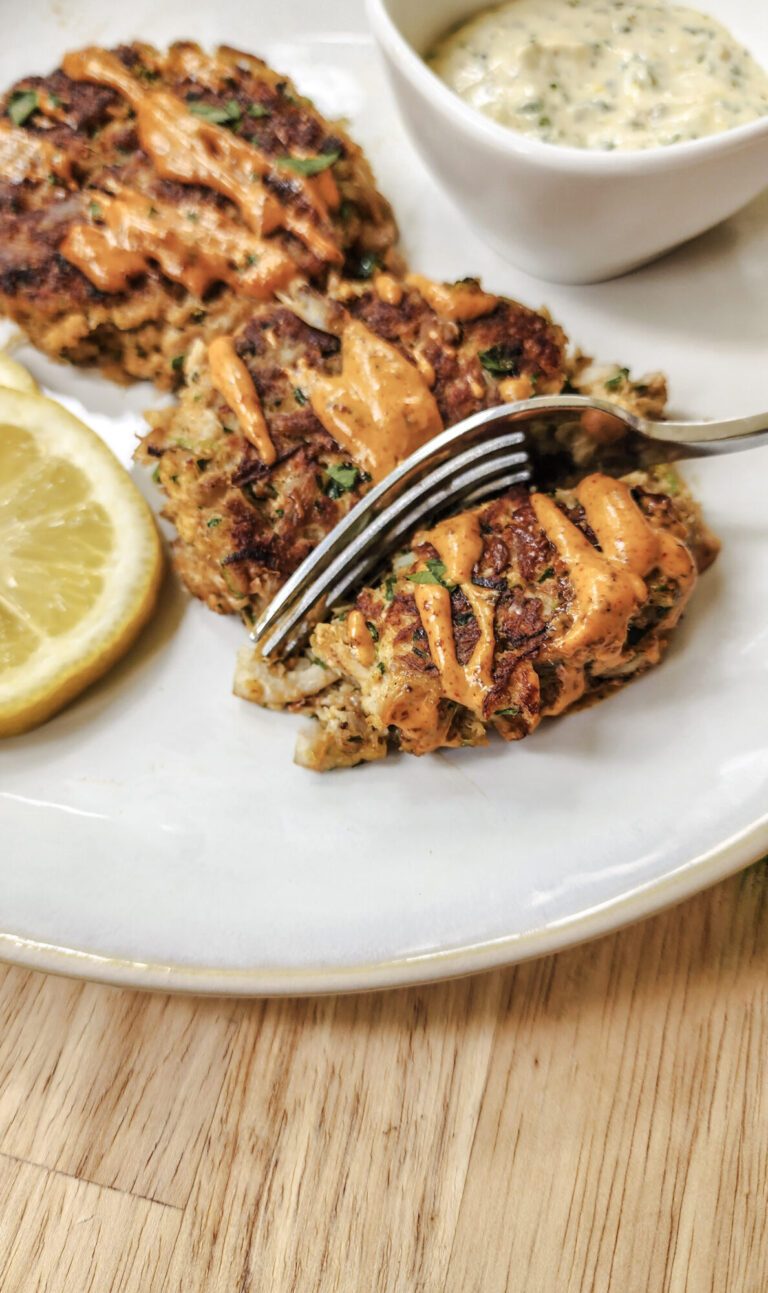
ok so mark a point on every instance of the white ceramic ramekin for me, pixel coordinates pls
(566, 214)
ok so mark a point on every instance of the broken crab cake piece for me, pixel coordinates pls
(518, 609)
(147, 198)
(282, 427)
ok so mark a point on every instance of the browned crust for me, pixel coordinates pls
(239, 561)
(520, 562)
(137, 333)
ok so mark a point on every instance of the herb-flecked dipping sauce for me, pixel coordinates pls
(603, 74)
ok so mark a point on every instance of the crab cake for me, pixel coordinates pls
(149, 198)
(282, 427)
(504, 614)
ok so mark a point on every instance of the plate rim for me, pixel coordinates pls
(737, 852)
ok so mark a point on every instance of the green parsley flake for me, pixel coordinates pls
(616, 380)
(309, 165)
(299, 396)
(546, 574)
(228, 116)
(434, 574)
(177, 363)
(501, 360)
(509, 712)
(95, 210)
(257, 110)
(367, 265)
(389, 588)
(21, 105)
(342, 478)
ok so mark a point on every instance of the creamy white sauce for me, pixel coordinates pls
(603, 73)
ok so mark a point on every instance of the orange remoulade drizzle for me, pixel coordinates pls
(608, 584)
(230, 377)
(189, 149)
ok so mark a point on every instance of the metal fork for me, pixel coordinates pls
(484, 454)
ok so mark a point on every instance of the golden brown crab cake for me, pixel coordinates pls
(518, 609)
(148, 197)
(345, 385)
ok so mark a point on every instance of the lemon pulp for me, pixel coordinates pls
(79, 559)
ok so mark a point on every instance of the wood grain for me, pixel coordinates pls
(597, 1120)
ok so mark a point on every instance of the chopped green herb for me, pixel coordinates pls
(345, 211)
(299, 396)
(228, 582)
(251, 258)
(465, 617)
(257, 110)
(389, 587)
(616, 380)
(509, 712)
(21, 105)
(193, 215)
(546, 574)
(203, 463)
(94, 209)
(146, 74)
(371, 627)
(381, 668)
(214, 521)
(53, 180)
(501, 359)
(670, 482)
(434, 574)
(153, 211)
(367, 265)
(226, 116)
(55, 101)
(279, 511)
(316, 660)
(309, 165)
(156, 474)
(177, 363)
(343, 477)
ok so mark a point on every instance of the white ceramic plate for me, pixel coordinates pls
(157, 833)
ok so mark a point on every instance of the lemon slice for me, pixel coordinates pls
(80, 559)
(15, 375)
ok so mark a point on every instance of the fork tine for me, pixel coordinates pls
(437, 491)
(434, 487)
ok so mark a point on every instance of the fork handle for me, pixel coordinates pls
(727, 436)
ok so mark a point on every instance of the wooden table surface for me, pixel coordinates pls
(594, 1120)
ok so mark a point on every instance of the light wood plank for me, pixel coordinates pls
(623, 1137)
(338, 1153)
(593, 1121)
(117, 1088)
(59, 1235)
